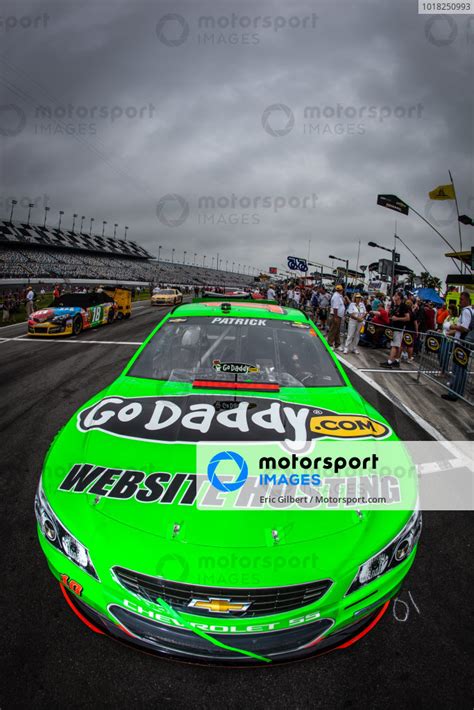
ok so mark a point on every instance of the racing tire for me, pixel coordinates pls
(127, 315)
(77, 325)
(120, 315)
(110, 316)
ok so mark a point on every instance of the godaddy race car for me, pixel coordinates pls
(71, 313)
(158, 546)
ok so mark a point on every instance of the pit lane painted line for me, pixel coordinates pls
(429, 428)
(385, 370)
(84, 341)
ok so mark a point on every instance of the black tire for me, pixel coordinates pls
(120, 315)
(77, 325)
(110, 316)
(127, 315)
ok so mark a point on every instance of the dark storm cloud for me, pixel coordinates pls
(159, 114)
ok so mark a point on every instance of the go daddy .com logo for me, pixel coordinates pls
(197, 417)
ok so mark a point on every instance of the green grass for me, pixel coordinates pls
(44, 301)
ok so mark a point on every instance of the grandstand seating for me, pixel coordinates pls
(36, 235)
(31, 252)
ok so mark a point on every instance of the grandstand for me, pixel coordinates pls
(37, 254)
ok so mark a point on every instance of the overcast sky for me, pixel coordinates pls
(247, 130)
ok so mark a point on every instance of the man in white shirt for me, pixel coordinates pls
(356, 312)
(463, 326)
(30, 297)
(271, 293)
(337, 314)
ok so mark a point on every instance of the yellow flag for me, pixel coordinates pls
(442, 192)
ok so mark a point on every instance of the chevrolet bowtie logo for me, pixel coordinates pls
(219, 606)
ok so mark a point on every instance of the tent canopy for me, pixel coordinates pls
(429, 294)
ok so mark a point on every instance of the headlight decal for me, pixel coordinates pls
(391, 556)
(59, 537)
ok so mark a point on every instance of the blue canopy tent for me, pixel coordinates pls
(429, 294)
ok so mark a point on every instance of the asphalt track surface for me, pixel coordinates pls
(418, 654)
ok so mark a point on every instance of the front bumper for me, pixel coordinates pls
(181, 644)
(334, 621)
(49, 330)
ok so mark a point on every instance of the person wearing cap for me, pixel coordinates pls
(337, 312)
(356, 312)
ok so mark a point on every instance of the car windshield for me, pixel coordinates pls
(165, 292)
(284, 352)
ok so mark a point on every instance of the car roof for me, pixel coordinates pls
(240, 309)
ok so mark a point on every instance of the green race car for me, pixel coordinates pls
(123, 509)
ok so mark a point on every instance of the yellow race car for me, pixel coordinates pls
(166, 297)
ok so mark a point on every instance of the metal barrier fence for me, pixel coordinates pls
(380, 336)
(450, 363)
(447, 361)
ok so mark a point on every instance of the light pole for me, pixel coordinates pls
(15, 202)
(159, 252)
(394, 254)
(82, 222)
(125, 233)
(115, 230)
(212, 262)
(238, 268)
(346, 262)
(184, 257)
(172, 255)
(194, 261)
(204, 260)
(73, 222)
(226, 264)
(233, 264)
(32, 204)
(61, 212)
(103, 227)
(217, 263)
(90, 228)
(46, 210)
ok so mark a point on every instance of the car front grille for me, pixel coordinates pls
(182, 642)
(260, 601)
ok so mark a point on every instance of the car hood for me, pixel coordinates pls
(110, 431)
(47, 314)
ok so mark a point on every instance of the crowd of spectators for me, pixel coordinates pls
(63, 265)
(397, 324)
